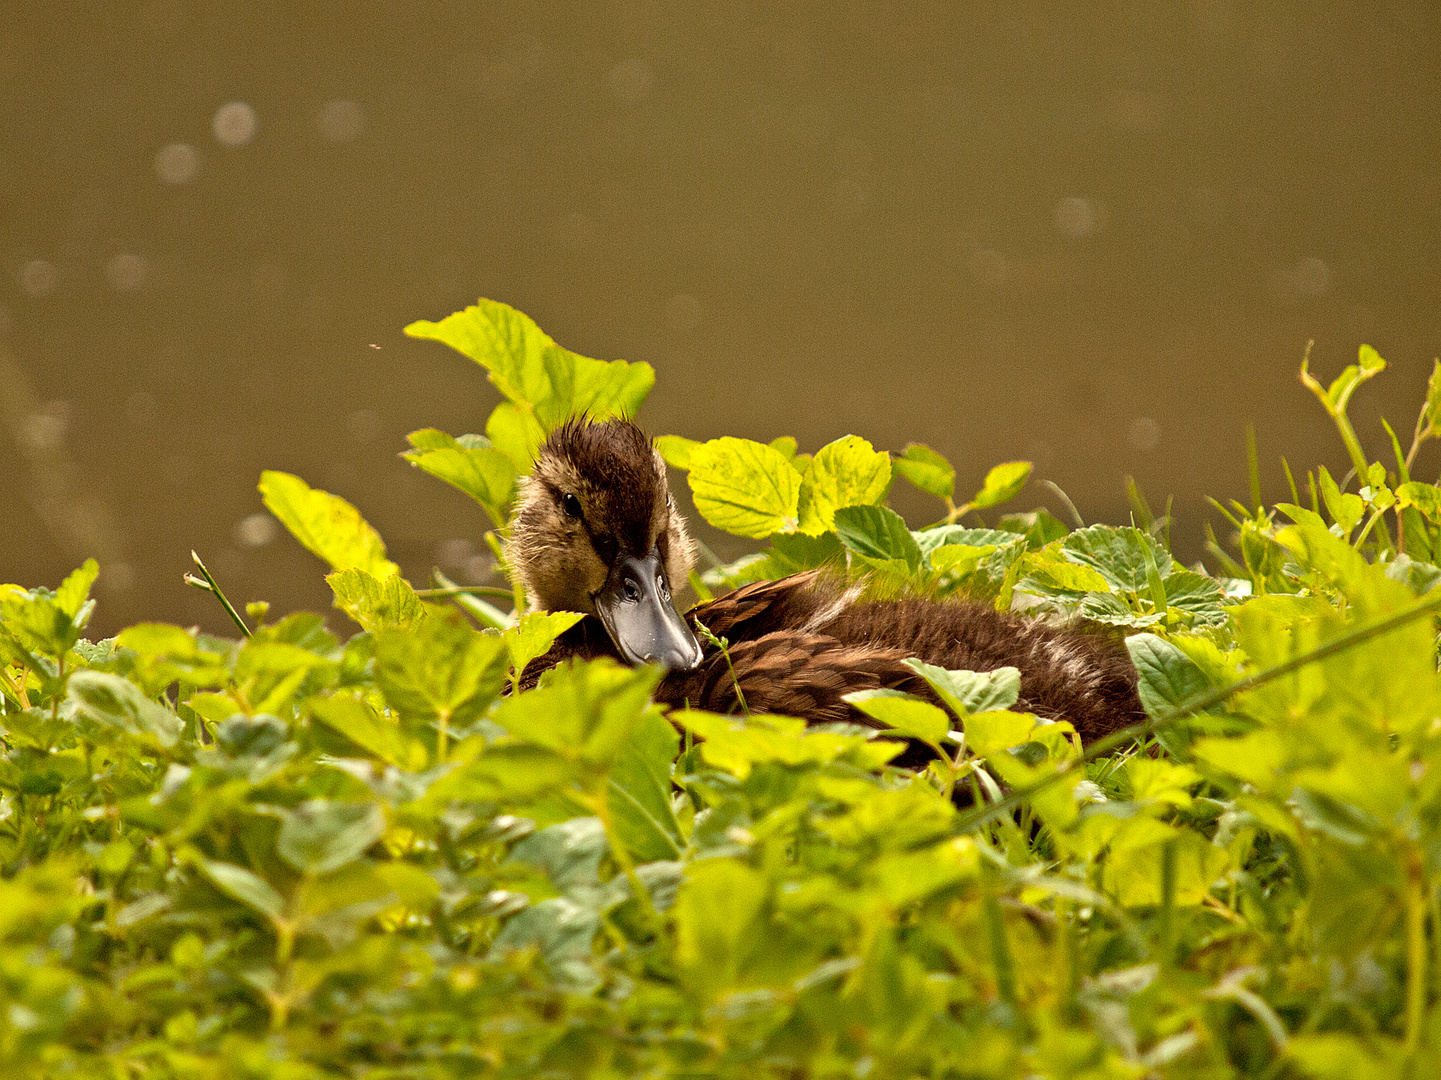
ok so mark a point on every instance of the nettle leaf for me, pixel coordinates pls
(1168, 677)
(241, 884)
(676, 450)
(744, 487)
(906, 714)
(638, 797)
(75, 589)
(989, 733)
(927, 470)
(1198, 597)
(378, 736)
(388, 603)
(325, 524)
(1125, 557)
(441, 669)
(515, 432)
(487, 475)
(928, 540)
(319, 835)
(1003, 483)
(847, 472)
(1108, 609)
(717, 908)
(569, 853)
(115, 702)
(1062, 581)
(535, 633)
(970, 691)
(583, 712)
(738, 744)
(878, 533)
(532, 371)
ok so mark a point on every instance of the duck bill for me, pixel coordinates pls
(635, 607)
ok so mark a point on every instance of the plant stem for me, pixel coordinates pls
(210, 585)
(1415, 951)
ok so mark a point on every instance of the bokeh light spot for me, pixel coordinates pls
(126, 273)
(38, 278)
(453, 553)
(234, 124)
(177, 163)
(1145, 434)
(341, 121)
(257, 530)
(1076, 217)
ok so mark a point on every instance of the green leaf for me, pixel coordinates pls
(744, 487)
(325, 524)
(319, 835)
(1108, 609)
(1120, 555)
(1003, 483)
(115, 702)
(535, 633)
(927, 470)
(1431, 413)
(583, 712)
(989, 733)
(389, 603)
(847, 472)
(442, 669)
(878, 533)
(1198, 597)
(908, 715)
(639, 795)
(1168, 677)
(533, 371)
(376, 735)
(75, 589)
(715, 912)
(676, 450)
(1345, 510)
(486, 475)
(516, 433)
(1133, 871)
(967, 692)
(241, 884)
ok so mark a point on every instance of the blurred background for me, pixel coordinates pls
(1095, 236)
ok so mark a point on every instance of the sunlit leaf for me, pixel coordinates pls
(744, 487)
(325, 524)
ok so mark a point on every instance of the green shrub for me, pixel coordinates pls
(289, 855)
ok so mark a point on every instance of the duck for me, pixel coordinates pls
(596, 531)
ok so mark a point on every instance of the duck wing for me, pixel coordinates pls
(796, 603)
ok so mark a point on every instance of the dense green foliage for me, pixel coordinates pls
(290, 855)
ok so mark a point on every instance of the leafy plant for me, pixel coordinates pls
(293, 855)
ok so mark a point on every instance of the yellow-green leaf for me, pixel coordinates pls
(326, 524)
(744, 487)
(847, 472)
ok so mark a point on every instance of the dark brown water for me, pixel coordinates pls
(1097, 236)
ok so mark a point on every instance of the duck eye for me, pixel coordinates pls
(571, 505)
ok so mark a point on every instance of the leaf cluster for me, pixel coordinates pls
(292, 855)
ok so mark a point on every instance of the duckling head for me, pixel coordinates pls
(596, 531)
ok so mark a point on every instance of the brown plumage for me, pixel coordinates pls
(797, 645)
